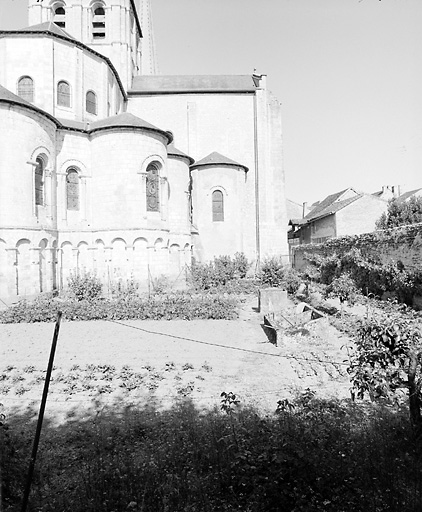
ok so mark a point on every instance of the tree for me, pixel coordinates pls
(387, 361)
(400, 213)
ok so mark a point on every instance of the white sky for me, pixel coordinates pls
(347, 72)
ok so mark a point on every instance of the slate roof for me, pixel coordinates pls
(408, 195)
(126, 120)
(7, 96)
(217, 159)
(173, 151)
(331, 204)
(167, 84)
(47, 26)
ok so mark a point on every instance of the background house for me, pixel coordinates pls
(347, 212)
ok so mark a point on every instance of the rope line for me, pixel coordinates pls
(227, 346)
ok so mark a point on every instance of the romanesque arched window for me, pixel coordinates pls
(98, 21)
(153, 188)
(39, 181)
(91, 102)
(72, 189)
(26, 88)
(217, 206)
(59, 16)
(63, 94)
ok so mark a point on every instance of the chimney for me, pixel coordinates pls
(304, 208)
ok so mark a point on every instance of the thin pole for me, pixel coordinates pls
(41, 414)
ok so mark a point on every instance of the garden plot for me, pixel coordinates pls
(118, 364)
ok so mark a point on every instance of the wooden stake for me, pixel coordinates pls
(41, 415)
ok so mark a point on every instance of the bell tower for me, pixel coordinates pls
(110, 27)
(149, 65)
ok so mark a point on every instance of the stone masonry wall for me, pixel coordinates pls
(400, 244)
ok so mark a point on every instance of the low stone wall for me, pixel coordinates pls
(399, 244)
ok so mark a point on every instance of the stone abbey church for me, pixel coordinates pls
(108, 167)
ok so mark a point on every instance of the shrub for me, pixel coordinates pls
(84, 286)
(241, 265)
(343, 288)
(271, 272)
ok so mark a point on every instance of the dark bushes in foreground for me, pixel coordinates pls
(312, 455)
(177, 305)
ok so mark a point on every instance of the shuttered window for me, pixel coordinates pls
(26, 88)
(39, 182)
(91, 102)
(98, 23)
(153, 188)
(217, 206)
(59, 17)
(72, 189)
(63, 94)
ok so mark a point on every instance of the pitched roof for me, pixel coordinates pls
(218, 159)
(331, 204)
(167, 84)
(7, 96)
(126, 120)
(173, 151)
(408, 195)
(47, 26)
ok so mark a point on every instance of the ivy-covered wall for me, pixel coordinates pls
(399, 244)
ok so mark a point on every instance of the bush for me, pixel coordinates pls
(343, 288)
(219, 272)
(271, 272)
(84, 286)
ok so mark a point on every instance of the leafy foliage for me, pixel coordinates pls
(369, 275)
(222, 271)
(84, 286)
(177, 305)
(274, 273)
(400, 213)
(344, 288)
(387, 360)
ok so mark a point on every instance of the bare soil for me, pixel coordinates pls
(102, 364)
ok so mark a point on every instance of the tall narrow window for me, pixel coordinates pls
(217, 206)
(98, 22)
(72, 189)
(59, 17)
(39, 182)
(152, 188)
(63, 94)
(26, 88)
(91, 102)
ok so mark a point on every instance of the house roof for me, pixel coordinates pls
(331, 204)
(171, 84)
(50, 29)
(173, 151)
(7, 96)
(408, 195)
(218, 159)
